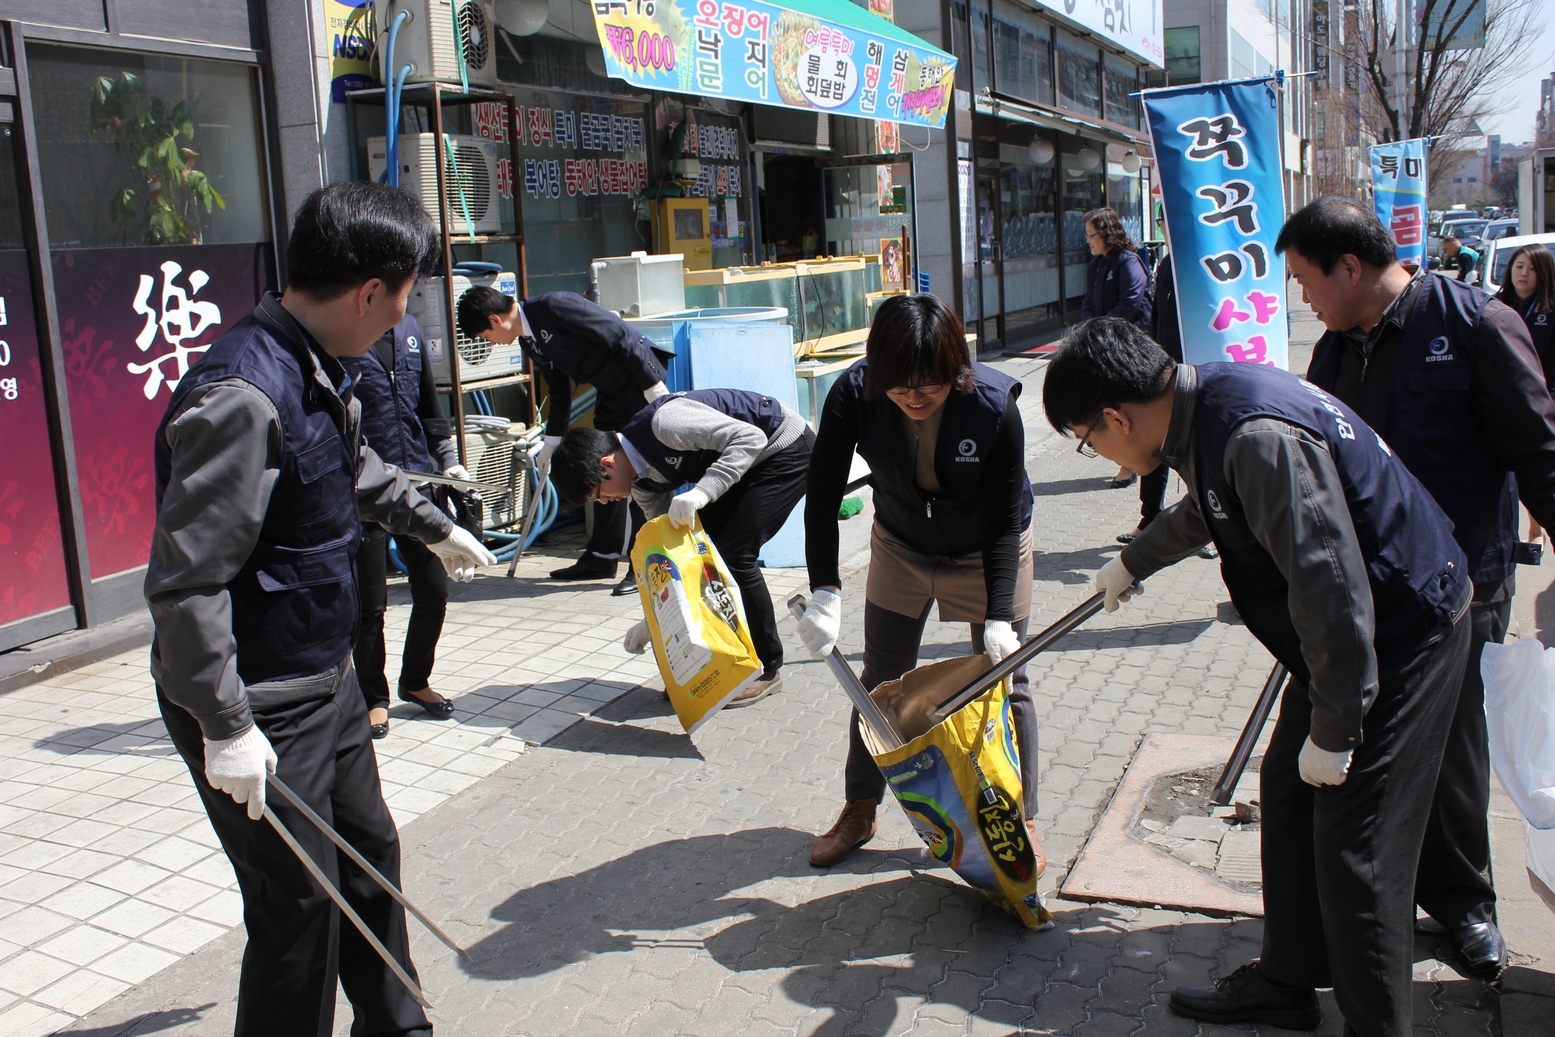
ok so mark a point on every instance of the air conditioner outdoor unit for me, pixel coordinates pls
(479, 360)
(473, 201)
(489, 455)
(431, 39)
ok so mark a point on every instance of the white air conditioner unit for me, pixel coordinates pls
(479, 360)
(489, 455)
(430, 41)
(473, 201)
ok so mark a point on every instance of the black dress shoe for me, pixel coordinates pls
(1246, 997)
(585, 569)
(1480, 950)
(1208, 552)
(1122, 484)
(628, 584)
(1127, 538)
(379, 730)
(441, 708)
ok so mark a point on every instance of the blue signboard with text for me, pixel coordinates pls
(1398, 190)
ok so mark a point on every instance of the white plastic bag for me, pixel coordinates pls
(1541, 857)
(1520, 715)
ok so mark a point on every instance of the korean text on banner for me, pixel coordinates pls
(1398, 190)
(833, 57)
(1218, 149)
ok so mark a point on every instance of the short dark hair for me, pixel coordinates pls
(478, 305)
(353, 231)
(916, 340)
(1114, 236)
(575, 467)
(1102, 363)
(1332, 227)
(1544, 279)
(1452, 238)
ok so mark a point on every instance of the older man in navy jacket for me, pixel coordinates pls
(1448, 376)
(572, 341)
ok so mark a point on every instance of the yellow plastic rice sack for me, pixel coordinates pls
(696, 619)
(959, 782)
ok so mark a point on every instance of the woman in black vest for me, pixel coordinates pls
(1530, 290)
(946, 450)
(1116, 285)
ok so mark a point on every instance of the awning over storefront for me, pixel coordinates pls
(990, 103)
(816, 55)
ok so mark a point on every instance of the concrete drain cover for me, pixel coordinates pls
(1160, 843)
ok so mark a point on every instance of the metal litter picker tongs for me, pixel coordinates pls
(340, 901)
(885, 728)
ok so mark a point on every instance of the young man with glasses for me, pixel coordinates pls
(743, 456)
(1342, 565)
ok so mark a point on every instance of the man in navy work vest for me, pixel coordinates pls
(1344, 567)
(746, 458)
(262, 486)
(1449, 377)
(572, 342)
(403, 423)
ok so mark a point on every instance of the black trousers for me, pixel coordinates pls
(1451, 884)
(1339, 861)
(891, 643)
(615, 530)
(298, 945)
(1152, 494)
(429, 605)
(744, 519)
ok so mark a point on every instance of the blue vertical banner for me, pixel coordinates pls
(1217, 147)
(1398, 190)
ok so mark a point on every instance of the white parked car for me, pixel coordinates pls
(1497, 256)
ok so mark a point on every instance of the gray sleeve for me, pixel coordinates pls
(386, 497)
(1290, 491)
(445, 452)
(1174, 534)
(688, 425)
(653, 502)
(226, 457)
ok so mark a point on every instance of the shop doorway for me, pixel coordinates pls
(990, 260)
(792, 214)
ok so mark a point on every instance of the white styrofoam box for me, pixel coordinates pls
(639, 284)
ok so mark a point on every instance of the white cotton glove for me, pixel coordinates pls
(654, 391)
(460, 553)
(684, 506)
(239, 766)
(457, 471)
(999, 640)
(637, 639)
(543, 458)
(1320, 767)
(1115, 581)
(821, 624)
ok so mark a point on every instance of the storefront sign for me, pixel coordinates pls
(350, 47)
(1398, 190)
(1217, 147)
(32, 551)
(1134, 25)
(761, 53)
(133, 321)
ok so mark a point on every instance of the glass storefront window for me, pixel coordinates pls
(1082, 193)
(1023, 53)
(1123, 194)
(132, 147)
(1079, 75)
(1028, 201)
(1182, 55)
(981, 79)
(141, 149)
(1120, 80)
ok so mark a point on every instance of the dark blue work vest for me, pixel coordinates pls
(948, 523)
(1416, 570)
(294, 601)
(687, 466)
(390, 397)
(1432, 425)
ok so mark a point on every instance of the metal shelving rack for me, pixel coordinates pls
(435, 97)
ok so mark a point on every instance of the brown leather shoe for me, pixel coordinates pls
(855, 826)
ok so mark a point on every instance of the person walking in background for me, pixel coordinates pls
(1448, 378)
(746, 455)
(572, 342)
(1530, 290)
(946, 450)
(1458, 256)
(402, 420)
(1116, 285)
